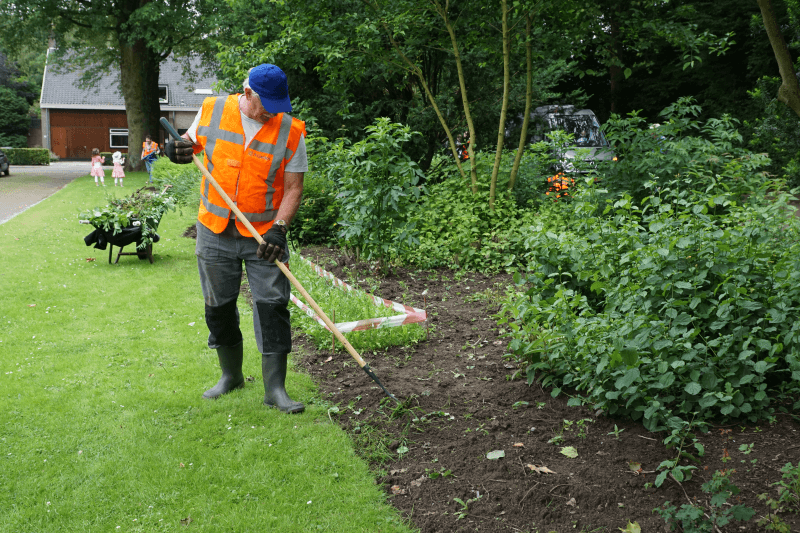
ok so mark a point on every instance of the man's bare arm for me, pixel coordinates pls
(292, 195)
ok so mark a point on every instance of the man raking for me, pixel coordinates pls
(256, 152)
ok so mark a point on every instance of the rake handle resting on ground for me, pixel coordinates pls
(364, 366)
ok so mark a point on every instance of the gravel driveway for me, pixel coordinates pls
(29, 185)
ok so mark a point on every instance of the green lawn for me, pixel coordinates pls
(102, 424)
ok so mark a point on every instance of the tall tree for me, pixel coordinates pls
(450, 55)
(789, 91)
(133, 35)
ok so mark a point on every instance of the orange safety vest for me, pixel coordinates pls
(153, 148)
(252, 178)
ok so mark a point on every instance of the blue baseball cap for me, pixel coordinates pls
(269, 82)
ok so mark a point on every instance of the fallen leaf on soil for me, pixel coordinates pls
(330, 358)
(397, 490)
(540, 469)
(635, 467)
(418, 482)
(497, 454)
(632, 528)
(395, 472)
(519, 445)
(572, 502)
(601, 452)
(569, 451)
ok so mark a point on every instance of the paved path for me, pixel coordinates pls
(29, 185)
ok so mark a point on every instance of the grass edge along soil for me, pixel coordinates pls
(434, 461)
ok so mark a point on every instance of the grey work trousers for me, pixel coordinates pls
(219, 261)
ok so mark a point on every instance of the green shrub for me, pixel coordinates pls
(777, 132)
(457, 227)
(184, 180)
(316, 218)
(109, 162)
(378, 191)
(696, 517)
(14, 119)
(27, 156)
(682, 304)
(672, 150)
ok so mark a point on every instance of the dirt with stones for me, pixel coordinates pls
(457, 385)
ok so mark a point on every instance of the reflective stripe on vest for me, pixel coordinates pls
(251, 176)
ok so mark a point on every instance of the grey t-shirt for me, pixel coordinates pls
(299, 162)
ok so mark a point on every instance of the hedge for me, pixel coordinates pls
(110, 157)
(27, 156)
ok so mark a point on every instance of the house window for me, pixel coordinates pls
(163, 94)
(118, 138)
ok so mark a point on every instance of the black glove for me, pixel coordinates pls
(274, 244)
(179, 152)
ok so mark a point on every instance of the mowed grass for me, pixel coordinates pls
(102, 424)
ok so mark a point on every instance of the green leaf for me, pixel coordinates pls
(625, 381)
(631, 528)
(496, 454)
(761, 367)
(628, 73)
(693, 388)
(569, 451)
(708, 401)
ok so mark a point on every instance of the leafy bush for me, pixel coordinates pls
(183, 179)
(696, 518)
(378, 191)
(457, 227)
(682, 304)
(27, 156)
(315, 221)
(14, 119)
(777, 132)
(670, 151)
(109, 162)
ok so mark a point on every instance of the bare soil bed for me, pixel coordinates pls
(459, 388)
(462, 404)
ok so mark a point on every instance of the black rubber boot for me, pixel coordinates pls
(230, 361)
(273, 367)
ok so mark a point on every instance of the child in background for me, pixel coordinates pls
(118, 172)
(97, 167)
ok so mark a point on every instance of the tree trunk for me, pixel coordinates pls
(504, 108)
(789, 91)
(523, 136)
(473, 138)
(139, 69)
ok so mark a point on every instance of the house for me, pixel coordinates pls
(75, 120)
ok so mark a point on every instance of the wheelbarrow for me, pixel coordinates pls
(102, 238)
